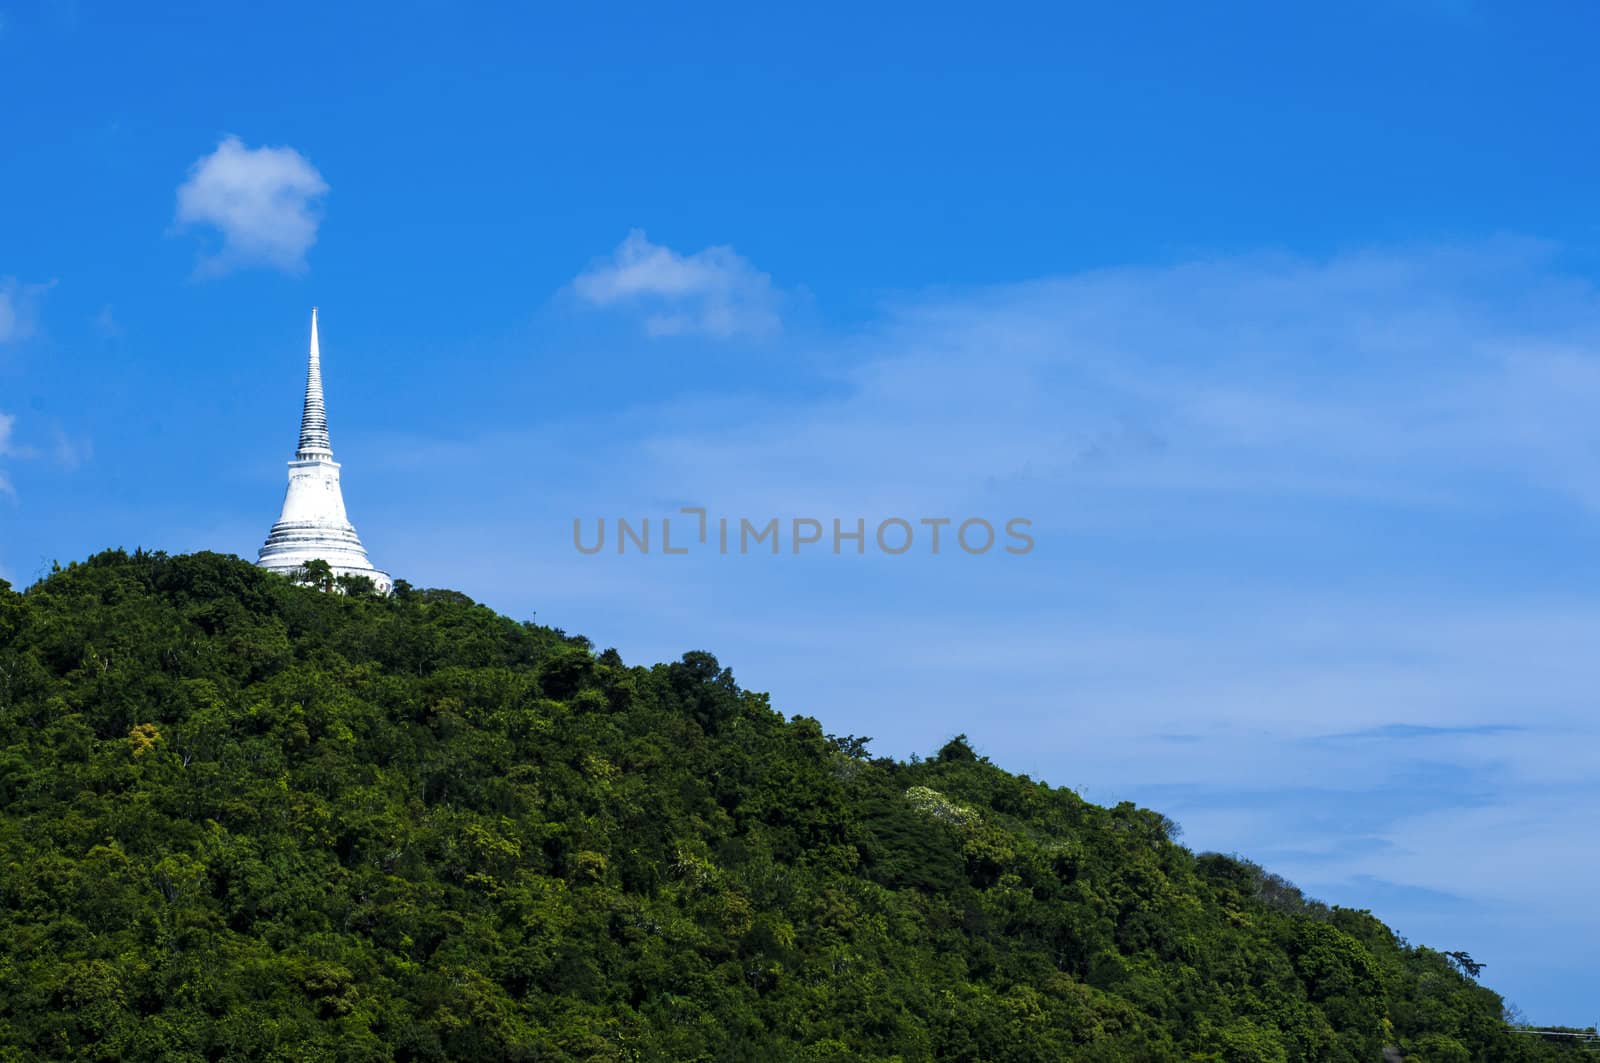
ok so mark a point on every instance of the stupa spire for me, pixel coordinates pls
(314, 420)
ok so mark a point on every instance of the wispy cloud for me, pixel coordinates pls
(19, 305)
(7, 424)
(106, 323)
(64, 451)
(714, 292)
(10, 327)
(1271, 384)
(264, 203)
(1410, 731)
(68, 452)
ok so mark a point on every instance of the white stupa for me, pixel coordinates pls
(313, 524)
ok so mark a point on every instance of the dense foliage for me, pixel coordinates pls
(243, 819)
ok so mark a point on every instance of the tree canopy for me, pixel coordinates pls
(241, 818)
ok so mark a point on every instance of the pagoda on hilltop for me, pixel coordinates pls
(313, 525)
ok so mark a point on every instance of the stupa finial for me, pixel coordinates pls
(314, 421)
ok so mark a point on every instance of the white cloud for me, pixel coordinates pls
(714, 292)
(264, 202)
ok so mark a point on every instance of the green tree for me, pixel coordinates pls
(316, 573)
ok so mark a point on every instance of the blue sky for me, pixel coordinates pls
(1280, 325)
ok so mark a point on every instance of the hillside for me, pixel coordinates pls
(242, 819)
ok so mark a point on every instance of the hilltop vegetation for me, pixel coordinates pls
(242, 819)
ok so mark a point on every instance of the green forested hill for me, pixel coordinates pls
(242, 819)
